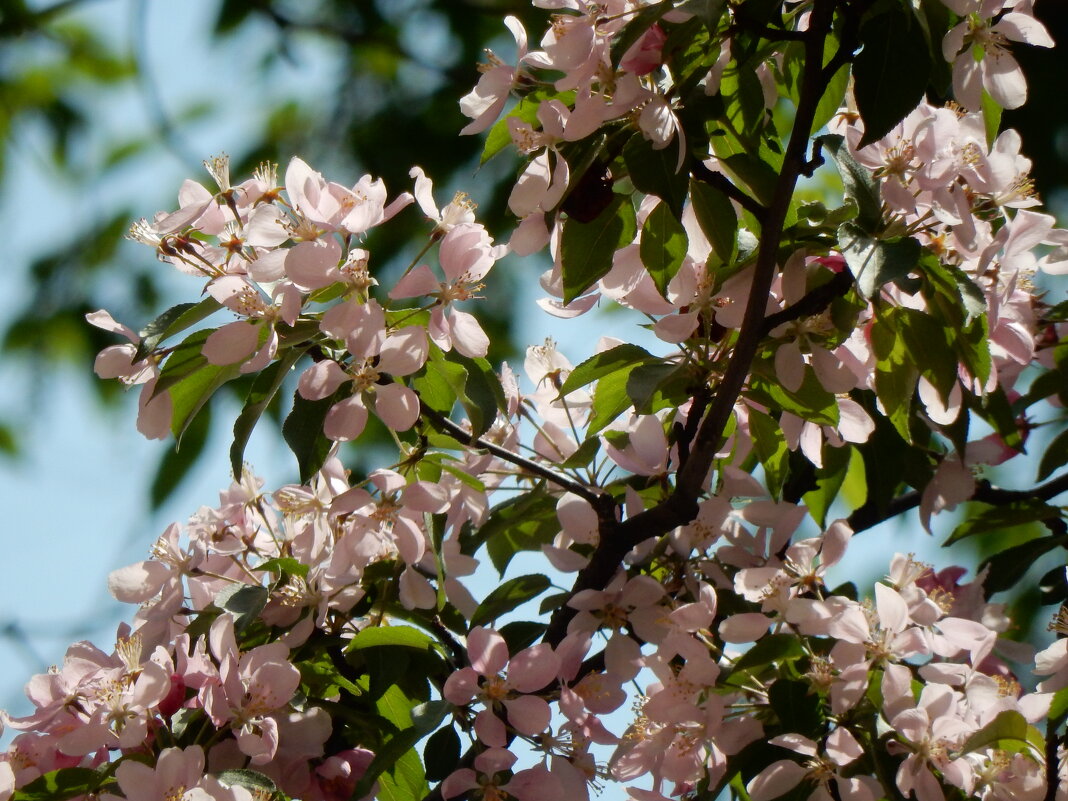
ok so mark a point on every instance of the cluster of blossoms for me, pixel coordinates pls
(825, 684)
(306, 641)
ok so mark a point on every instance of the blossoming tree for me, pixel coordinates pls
(811, 366)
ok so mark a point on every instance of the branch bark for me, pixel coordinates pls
(679, 508)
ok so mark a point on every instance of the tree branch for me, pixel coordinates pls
(869, 515)
(811, 303)
(465, 437)
(719, 181)
(617, 538)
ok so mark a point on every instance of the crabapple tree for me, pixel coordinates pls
(830, 254)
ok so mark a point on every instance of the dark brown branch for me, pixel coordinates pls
(869, 515)
(691, 479)
(466, 438)
(679, 508)
(812, 303)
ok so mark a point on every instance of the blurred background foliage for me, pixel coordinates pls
(354, 87)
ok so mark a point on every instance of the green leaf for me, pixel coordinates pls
(601, 364)
(379, 636)
(858, 183)
(191, 380)
(798, 709)
(752, 171)
(663, 246)
(251, 780)
(1000, 518)
(1010, 565)
(303, 431)
(244, 602)
(890, 73)
(875, 262)
(520, 634)
(524, 523)
(261, 393)
(585, 454)
(1056, 456)
(1009, 732)
(716, 215)
(405, 781)
(432, 385)
(771, 449)
(810, 402)
(647, 381)
(482, 395)
(1053, 588)
(832, 97)
(610, 399)
(283, 564)
(930, 345)
(59, 785)
(654, 172)
(743, 102)
(173, 321)
(829, 481)
(178, 461)
(586, 249)
(526, 110)
(508, 596)
(991, 118)
(708, 11)
(441, 753)
(425, 719)
(1058, 709)
(768, 649)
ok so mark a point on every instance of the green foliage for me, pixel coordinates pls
(586, 249)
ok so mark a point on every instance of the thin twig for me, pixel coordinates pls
(869, 515)
(466, 438)
(718, 180)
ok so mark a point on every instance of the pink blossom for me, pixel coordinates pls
(528, 671)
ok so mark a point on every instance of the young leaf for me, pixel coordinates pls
(663, 246)
(717, 218)
(601, 364)
(586, 249)
(890, 73)
(654, 172)
(508, 596)
(260, 395)
(858, 183)
(875, 262)
(173, 321)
